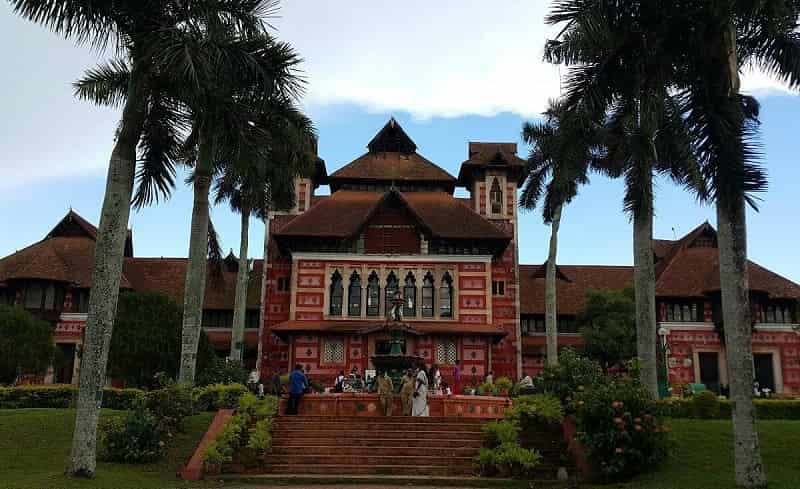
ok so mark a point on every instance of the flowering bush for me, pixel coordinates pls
(572, 375)
(135, 438)
(616, 425)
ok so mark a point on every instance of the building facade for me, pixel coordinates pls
(392, 226)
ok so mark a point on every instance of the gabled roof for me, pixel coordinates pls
(392, 157)
(573, 284)
(490, 155)
(344, 214)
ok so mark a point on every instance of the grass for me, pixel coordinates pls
(34, 445)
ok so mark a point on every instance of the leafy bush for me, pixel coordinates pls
(236, 432)
(705, 405)
(572, 375)
(500, 432)
(608, 326)
(222, 371)
(135, 438)
(503, 385)
(508, 459)
(218, 396)
(62, 396)
(543, 408)
(261, 437)
(170, 406)
(616, 425)
(229, 438)
(486, 389)
(26, 343)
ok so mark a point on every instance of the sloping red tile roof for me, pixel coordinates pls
(168, 275)
(355, 327)
(392, 166)
(487, 155)
(570, 293)
(345, 212)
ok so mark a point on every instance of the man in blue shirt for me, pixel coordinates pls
(298, 383)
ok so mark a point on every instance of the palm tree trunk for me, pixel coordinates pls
(551, 304)
(240, 302)
(197, 266)
(262, 313)
(737, 322)
(644, 279)
(106, 277)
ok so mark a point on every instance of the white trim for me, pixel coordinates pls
(779, 327)
(73, 316)
(362, 257)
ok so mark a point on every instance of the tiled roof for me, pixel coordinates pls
(572, 289)
(392, 166)
(355, 327)
(487, 155)
(168, 275)
(344, 213)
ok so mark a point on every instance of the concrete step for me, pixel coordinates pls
(383, 451)
(376, 425)
(384, 419)
(357, 469)
(368, 460)
(367, 443)
(280, 433)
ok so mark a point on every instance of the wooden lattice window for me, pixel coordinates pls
(333, 351)
(446, 352)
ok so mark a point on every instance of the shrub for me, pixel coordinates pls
(542, 408)
(26, 343)
(508, 459)
(236, 432)
(170, 406)
(503, 386)
(222, 371)
(621, 435)
(229, 438)
(261, 437)
(500, 432)
(218, 396)
(572, 375)
(705, 405)
(62, 396)
(135, 438)
(121, 399)
(486, 389)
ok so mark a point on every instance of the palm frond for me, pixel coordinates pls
(85, 21)
(106, 84)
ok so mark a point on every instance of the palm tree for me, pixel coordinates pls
(264, 181)
(612, 74)
(562, 149)
(223, 105)
(129, 28)
(734, 34)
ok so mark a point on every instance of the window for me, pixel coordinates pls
(251, 319)
(34, 294)
(373, 295)
(392, 287)
(80, 300)
(567, 325)
(446, 296)
(410, 296)
(777, 313)
(336, 295)
(446, 352)
(283, 284)
(333, 351)
(531, 326)
(685, 311)
(220, 318)
(427, 296)
(354, 295)
(498, 287)
(496, 197)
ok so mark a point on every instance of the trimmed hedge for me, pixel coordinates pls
(698, 408)
(218, 396)
(61, 396)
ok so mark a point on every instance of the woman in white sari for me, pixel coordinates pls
(420, 404)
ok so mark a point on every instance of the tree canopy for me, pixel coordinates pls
(26, 343)
(147, 339)
(608, 326)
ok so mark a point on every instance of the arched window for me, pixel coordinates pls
(427, 296)
(354, 295)
(410, 296)
(496, 197)
(392, 286)
(336, 294)
(373, 295)
(446, 296)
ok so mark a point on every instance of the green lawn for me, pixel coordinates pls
(34, 444)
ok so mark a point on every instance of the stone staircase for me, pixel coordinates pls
(394, 446)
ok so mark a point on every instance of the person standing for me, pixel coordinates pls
(277, 388)
(457, 378)
(407, 392)
(386, 393)
(489, 378)
(420, 404)
(298, 383)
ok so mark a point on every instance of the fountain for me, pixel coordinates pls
(395, 362)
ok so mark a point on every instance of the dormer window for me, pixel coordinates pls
(496, 197)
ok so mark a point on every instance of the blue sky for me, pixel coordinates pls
(444, 86)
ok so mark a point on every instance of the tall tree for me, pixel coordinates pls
(223, 105)
(613, 74)
(563, 146)
(135, 30)
(264, 181)
(734, 34)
